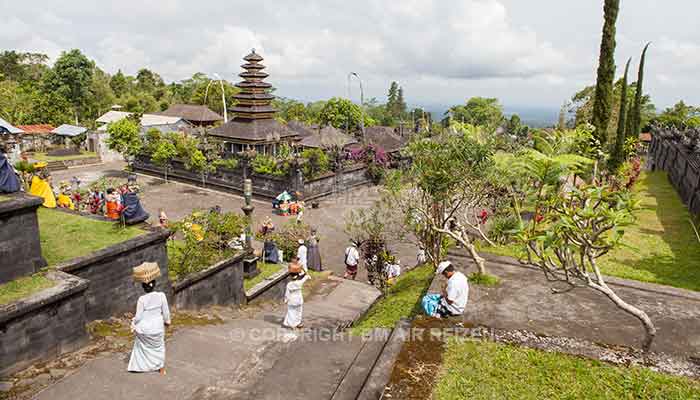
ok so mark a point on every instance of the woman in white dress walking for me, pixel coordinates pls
(294, 298)
(152, 314)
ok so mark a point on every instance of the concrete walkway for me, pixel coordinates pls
(524, 301)
(243, 358)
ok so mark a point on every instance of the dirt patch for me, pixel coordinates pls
(416, 369)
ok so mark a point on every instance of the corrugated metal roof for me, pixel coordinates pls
(69, 130)
(37, 129)
(191, 112)
(146, 119)
(112, 116)
(9, 127)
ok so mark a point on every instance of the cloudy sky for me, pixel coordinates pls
(528, 53)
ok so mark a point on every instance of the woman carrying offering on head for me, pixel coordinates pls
(152, 315)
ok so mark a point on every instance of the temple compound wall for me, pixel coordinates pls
(220, 284)
(111, 289)
(44, 325)
(231, 180)
(20, 249)
(682, 167)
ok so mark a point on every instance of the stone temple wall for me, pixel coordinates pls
(44, 325)
(112, 290)
(20, 249)
(221, 284)
(231, 180)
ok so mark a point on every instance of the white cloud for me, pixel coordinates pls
(439, 50)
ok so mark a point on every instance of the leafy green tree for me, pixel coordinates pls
(451, 176)
(119, 83)
(680, 116)
(147, 80)
(16, 101)
(635, 118)
(164, 155)
(342, 114)
(602, 107)
(124, 138)
(573, 226)
(71, 77)
(617, 156)
(582, 106)
(21, 67)
(478, 111)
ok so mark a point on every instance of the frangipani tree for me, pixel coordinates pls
(447, 190)
(574, 223)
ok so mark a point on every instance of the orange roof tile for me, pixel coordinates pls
(39, 129)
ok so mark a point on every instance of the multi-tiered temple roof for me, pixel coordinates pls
(254, 115)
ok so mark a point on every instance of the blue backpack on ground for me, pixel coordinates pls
(430, 303)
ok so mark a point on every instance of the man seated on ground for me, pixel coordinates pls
(454, 297)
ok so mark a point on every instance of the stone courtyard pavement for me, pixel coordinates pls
(524, 301)
(179, 200)
(243, 358)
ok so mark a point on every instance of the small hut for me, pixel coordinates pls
(200, 116)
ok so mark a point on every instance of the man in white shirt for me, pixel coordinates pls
(454, 297)
(301, 254)
(352, 260)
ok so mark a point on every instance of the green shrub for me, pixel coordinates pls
(228, 163)
(503, 228)
(203, 239)
(287, 237)
(264, 164)
(315, 163)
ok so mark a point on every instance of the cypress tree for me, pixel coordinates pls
(618, 156)
(636, 114)
(602, 107)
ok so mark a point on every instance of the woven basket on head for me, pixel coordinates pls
(146, 272)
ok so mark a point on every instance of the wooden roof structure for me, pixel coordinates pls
(254, 115)
(192, 113)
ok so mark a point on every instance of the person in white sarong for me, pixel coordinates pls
(302, 253)
(294, 298)
(152, 314)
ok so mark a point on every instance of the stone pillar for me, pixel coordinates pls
(250, 262)
(20, 248)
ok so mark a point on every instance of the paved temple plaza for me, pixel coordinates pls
(317, 200)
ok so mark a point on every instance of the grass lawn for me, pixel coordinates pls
(266, 270)
(47, 158)
(661, 247)
(15, 290)
(485, 370)
(402, 301)
(66, 236)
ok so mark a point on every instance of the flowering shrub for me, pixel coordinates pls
(203, 239)
(376, 159)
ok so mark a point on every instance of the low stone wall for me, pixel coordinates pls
(112, 289)
(334, 183)
(268, 187)
(683, 170)
(220, 284)
(20, 249)
(81, 161)
(271, 289)
(44, 325)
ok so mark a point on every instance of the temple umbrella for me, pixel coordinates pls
(284, 196)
